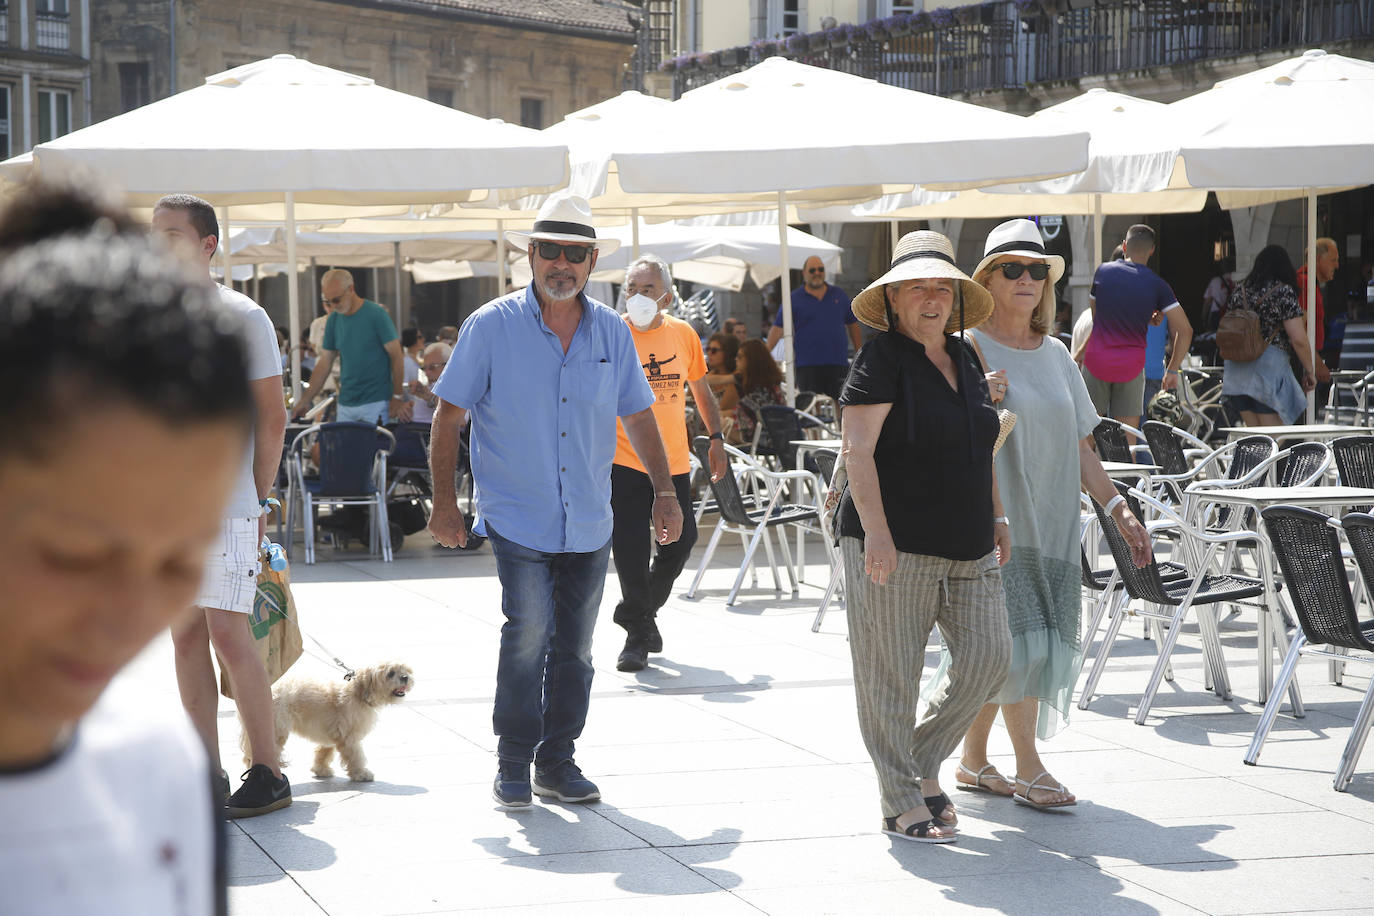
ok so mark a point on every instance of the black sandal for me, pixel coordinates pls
(918, 832)
(938, 804)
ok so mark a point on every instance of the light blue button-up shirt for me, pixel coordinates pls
(543, 422)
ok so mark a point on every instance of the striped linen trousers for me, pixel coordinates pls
(889, 626)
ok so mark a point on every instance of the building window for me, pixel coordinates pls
(786, 17)
(54, 114)
(902, 6)
(532, 113)
(441, 95)
(4, 23)
(135, 89)
(53, 26)
(5, 121)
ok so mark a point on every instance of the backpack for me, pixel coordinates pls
(1238, 336)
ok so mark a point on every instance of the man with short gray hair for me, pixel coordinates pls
(671, 356)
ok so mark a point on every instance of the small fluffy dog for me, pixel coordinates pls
(336, 715)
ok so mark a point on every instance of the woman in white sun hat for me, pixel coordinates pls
(1039, 472)
(920, 527)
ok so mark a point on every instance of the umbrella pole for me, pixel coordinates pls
(224, 247)
(789, 363)
(634, 232)
(396, 269)
(1311, 294)
(293, 295)
(500, 258)
(1097, 230)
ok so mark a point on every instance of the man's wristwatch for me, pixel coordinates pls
(717, 435)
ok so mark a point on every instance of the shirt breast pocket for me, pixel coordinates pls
(596, 383)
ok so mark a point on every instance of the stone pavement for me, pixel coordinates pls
(735, 782)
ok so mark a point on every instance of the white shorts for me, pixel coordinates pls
(230, 581)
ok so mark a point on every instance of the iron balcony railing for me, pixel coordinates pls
(1012, 43)
(53, 32)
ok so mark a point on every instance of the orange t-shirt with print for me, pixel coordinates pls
(671, 356)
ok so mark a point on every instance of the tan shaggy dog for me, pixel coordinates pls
(337, 715)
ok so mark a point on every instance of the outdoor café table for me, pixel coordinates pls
(1271, 626)
(1310, 432)
(804, 446)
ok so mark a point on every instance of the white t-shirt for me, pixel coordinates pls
(317, 341)
(120, 822)
(264, 361)
(1082, 330)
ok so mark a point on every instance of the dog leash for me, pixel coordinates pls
(348, 672)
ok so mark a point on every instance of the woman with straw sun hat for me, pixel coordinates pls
(921, 530)
(1039, 471)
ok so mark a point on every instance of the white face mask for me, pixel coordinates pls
(642, 310)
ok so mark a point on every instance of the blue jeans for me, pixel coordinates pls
(544, 674)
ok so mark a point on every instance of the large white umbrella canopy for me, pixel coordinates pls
(807, 135)
(359, 249)
(276, 133)
(1299, 124)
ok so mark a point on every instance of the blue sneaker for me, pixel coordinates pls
(565, 782)
(512, 786)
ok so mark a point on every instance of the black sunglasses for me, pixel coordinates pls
(1014, 269)
(815, 270)
(575, 254)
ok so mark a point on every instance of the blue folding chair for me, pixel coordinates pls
(352, 472)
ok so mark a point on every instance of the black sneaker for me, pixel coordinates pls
(635, 655)
(653, 640)
(565, 782)
(512, 786)
(260, 793)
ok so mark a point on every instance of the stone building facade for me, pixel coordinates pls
(45, 72)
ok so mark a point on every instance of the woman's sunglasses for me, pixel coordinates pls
(1012, 270)
(575, 254)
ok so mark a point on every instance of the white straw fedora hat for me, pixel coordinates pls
(1019, 237)
(925, 255)
(563, 218)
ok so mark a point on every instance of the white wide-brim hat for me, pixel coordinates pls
(924, 255)
(1019, 237)
(563, 218)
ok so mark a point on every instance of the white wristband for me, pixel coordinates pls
(1001, 520)
(1113, 503)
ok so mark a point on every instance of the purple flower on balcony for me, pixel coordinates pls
(798, 43)
(942, 17)
(1028, 6)
(854, 33)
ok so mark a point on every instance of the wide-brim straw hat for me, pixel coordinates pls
(563, 218)
(925, 255)
(1019, 237)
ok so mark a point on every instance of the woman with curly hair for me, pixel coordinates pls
(760, 381)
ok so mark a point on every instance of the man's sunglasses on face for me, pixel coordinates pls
(815, 270)
(334, 303)
(575, 254)
(1012, 270)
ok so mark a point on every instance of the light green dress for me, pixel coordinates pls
(1039, 482)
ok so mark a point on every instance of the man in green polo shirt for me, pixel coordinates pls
(362, 336)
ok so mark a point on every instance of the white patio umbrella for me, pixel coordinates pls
(1299, 124)
(807, 136)
(262, 139)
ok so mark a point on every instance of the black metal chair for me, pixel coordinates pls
(756, 523)
(1112, 444)
(1308, 551)
(1355, 462)
(1146, 584)
(783, 425)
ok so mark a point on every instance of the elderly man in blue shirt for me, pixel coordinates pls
(544, 373)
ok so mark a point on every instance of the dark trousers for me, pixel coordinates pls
(822, 379)
(645, 586)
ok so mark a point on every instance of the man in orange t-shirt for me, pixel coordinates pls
(670, 352)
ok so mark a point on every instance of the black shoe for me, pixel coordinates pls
(512, 786)
(260, 793)
(634, 656)
(653, 640)
(565, 782)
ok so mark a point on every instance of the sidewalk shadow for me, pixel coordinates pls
(548, 834)
(713, 685)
